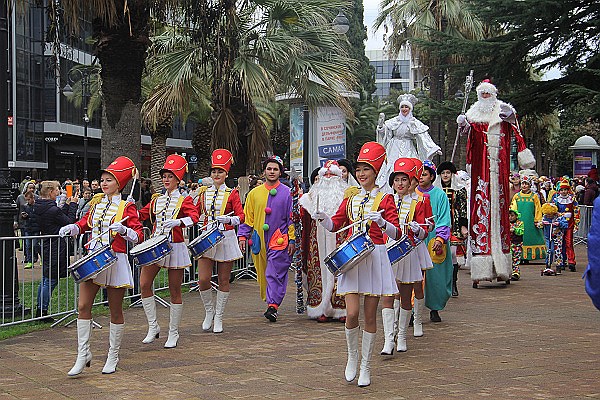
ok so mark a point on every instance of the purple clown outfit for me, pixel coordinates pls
(269, 229)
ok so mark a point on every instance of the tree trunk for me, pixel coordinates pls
(121, 50)
(201, 143)
(158, 155)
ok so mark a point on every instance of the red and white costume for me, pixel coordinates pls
(222, 201)
(491, 124)
(105, 211)
(170, 206)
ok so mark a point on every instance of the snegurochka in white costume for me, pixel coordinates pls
(169, 213)
(373, 276)
(414, 213)
(403, 136)
(222, 204)
(106, 211)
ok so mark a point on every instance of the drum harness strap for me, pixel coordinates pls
(118, 216)
(411, 212)
(175, 211)
(361, 207)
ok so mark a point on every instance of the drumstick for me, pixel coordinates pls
(317, 203)
(354, 223)
(215, 221)
(102, 234)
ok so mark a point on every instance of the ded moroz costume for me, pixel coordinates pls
(223, 206)
(168, 212)
(491, 125)
(106, 212)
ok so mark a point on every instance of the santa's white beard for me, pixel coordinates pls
(485, 106)
(329, 190)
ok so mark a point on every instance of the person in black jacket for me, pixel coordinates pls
(54, 250)
(30, 228)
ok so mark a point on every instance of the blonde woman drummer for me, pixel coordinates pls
(169, 213)
(375, 213)
(414, 212)
(221, 207)
(106, 212)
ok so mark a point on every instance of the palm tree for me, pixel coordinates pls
(249, 52)
(415, 22)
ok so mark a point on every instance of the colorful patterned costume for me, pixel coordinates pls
(516, 246)
(529, 206)
(569, 209)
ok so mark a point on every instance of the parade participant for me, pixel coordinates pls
(414, 213)
(515, 184)
(438, 282)
(529, 206)
(569, 209)
(169, 212)
(491, 125)
(516, 242)
(106, 212)
(398, 134)
(347, 172)
(325, 195)
(592, 272)
(376, 214)
(457, 196)
(269, 231)
(554, 225)
(216, 203)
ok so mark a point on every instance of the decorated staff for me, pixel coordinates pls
(169, 213)
(297, 258)
(219, 204)
(107, 212)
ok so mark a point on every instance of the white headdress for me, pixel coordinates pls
(407, 99)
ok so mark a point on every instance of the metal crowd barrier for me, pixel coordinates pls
(585, 221)
(63, 299)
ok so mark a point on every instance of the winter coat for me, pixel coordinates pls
(30, 220)
(54, 250)
(591, 192)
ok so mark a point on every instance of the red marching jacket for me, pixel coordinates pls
(233, 204)
(119, 245)
(187, 209)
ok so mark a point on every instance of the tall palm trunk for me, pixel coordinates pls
(158, 151)
(201, 143)
(121, 49)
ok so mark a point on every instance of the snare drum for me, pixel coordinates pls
(401, 248)
(91, 265)
(206, 241)
(151, 251)
(349, 254)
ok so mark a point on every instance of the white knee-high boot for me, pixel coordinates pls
(84, 355)
(352, 342)
(387, 315)
(396, 315)
(209, 309)
(220, 308)
(153, 328)
(368, 342)
(402, 328)
(418, 323)
(115, 337)
(175, 317)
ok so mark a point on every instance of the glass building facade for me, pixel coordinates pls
(391, 74)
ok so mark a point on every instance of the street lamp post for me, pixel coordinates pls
(84, 77)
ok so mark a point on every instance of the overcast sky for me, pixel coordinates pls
(374, 39)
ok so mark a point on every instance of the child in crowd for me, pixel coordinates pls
(516, 242)
(553, 233)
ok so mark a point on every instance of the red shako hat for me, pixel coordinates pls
(123, 169)
(175, 164)
(222, 159)
(404, 166)
(372, 153)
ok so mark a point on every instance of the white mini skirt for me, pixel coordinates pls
(227, 249)
(372, 276)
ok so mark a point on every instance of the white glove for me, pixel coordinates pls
(324, 219)
(414, 226)
(376, 217)
(69, 230)
(223, 219)
(130, 199)
(461, 120)
(320, 215)
(507, 113)
(118, 227)
(171, 223)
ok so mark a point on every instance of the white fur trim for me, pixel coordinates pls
(333, 169)
(486, 87)
(526, 159)
(491, 118)
(406, 103)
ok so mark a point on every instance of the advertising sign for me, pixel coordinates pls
(296, 136)
(582, 162)
(331, 134)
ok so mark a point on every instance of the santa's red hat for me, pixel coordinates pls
(373, 154)
(221, 158)
(123, 169)
(175, 164)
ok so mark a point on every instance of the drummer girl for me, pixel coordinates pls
(168, 212)
(105, 213)
(414, 212)
(375, 212)
(222, 204)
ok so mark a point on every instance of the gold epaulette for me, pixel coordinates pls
(351, 191)
(96, 199)
(155, 196)
(202, 189)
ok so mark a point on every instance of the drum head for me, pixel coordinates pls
(89, 256)
(148, 244)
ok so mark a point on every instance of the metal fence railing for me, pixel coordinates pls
(585, 221)
(48, 292)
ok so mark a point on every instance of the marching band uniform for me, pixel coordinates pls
(106, 213)
(414, 212)
(373, 276)
(215, 203)
(168, 212)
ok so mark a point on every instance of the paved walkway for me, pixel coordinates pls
(538, 338)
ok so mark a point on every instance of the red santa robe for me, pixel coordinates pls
(488, 153)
